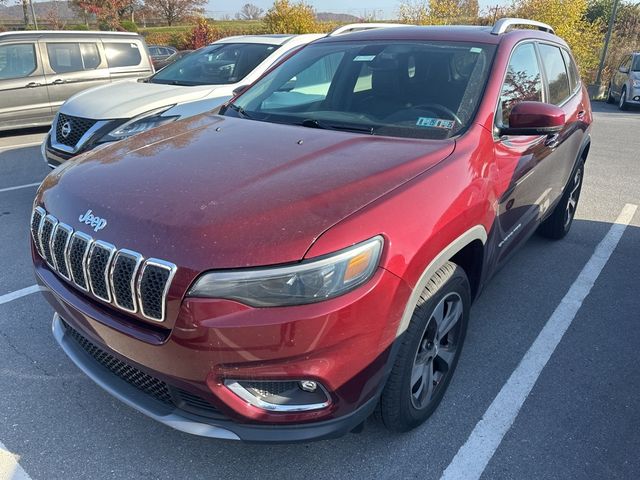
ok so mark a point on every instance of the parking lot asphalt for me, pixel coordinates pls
(581, 419)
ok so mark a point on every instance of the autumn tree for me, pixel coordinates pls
(109, 13)
(288, 17)
(173, 11)
(439, 12)
(568, 19)
(249, 12)
(201, 34)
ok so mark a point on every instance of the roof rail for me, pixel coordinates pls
(358, 27)
(503, 25)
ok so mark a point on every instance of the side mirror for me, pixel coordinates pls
(534, 118)
(240, 90)
(623, 70)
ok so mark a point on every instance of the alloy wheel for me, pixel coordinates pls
(574, 195)
(436, 350)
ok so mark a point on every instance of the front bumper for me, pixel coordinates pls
(344, 343)
(52, 157)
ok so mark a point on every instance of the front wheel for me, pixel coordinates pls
(429, 351)
(558, 224)
(622, 105)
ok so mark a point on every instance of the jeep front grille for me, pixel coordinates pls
(78, 127)
(120, 277)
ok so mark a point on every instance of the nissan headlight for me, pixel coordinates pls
(141, 123)
(636, 84)
(307, 282)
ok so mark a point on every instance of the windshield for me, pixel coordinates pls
(404, 89)
(220, 64)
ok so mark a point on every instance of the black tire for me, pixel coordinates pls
(610, 97)
(558, 224)
(399, 408)
(622, 103)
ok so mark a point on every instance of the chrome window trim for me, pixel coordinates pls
(69, 230)
(88, 134)
(112, 250)
(54, 222)
(134, 275)
(172, 271)
(243, 393)
(85, 256)
(36, 236)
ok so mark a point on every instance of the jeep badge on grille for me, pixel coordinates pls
(89, 218)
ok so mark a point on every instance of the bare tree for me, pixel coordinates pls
(173, 11)
(250, 12)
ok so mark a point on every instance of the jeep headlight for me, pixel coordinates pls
(307, 282)
(141, 123)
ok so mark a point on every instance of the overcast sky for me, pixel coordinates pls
(381, 8)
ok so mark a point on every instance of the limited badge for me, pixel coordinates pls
(435, 123)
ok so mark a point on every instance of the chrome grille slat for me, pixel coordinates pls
(59, 245)
(77, 255)
(45, 234)
(118, 276)
(37, 217)
(124, 270)
(98, 265)
(153, 285)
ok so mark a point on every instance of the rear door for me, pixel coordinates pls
(72, 66)
(24, 99)
(563, 90)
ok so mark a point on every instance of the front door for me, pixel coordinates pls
(24, 100)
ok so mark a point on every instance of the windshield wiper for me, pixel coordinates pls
(240, 110)
(313, 123)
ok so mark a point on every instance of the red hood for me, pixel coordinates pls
(218, 192)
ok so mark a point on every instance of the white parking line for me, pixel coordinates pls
(20, 293)
(473, 457)
(8, 189)
(10, 469)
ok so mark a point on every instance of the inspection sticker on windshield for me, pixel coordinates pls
(435, 123)
(364, 58)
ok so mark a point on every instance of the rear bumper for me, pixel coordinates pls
(197, 425)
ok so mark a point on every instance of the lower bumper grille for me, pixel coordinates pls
(148, 384)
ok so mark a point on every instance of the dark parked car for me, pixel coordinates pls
(280, 270)
(159, 53)
(160, 64)
(624, 87)
(39, 70)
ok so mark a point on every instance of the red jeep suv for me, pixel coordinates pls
(280, 269)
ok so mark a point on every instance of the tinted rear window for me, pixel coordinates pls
(123, 54)
(557, 77)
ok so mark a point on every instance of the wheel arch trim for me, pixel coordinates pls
(477, 232)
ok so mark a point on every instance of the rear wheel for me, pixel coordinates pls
(429, 352)
(558, 224)
(622, 105)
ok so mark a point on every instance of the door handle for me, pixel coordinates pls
(552, 141)
(58, 81)
(32, 84)
(581, 115)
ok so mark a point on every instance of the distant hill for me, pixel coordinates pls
(14, 12)
(337, 17)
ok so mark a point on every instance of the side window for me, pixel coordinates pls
(17, 60)
(308, 86)
(122, 54)
(65, 57)
(636, 64)
(523, 81)
(90, 55)
(574, 76)
(557, 76)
